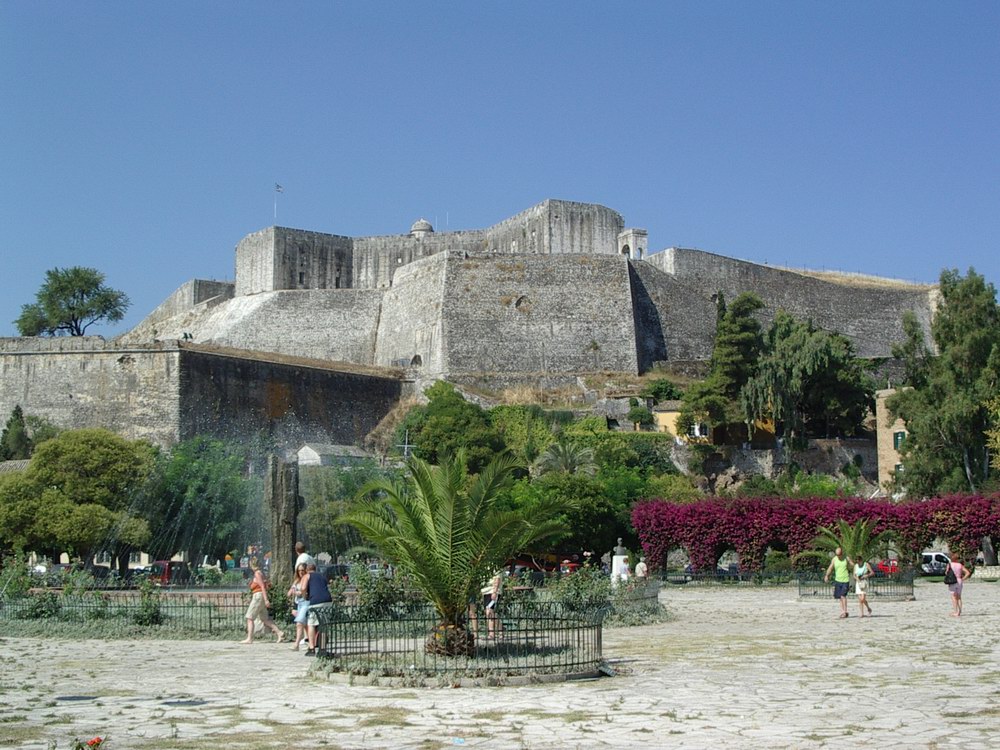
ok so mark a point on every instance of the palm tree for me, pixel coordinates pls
(858, 540)
(449, 533)
(568, 457)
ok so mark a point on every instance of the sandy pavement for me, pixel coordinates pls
(736, 668)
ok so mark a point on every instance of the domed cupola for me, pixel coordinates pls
(420, 228)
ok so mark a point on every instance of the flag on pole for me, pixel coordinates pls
(278, 188)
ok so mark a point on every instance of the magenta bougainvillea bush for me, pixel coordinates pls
(749, 526)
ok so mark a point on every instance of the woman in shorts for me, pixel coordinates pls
(862, 573)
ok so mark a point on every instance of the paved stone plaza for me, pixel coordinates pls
(734, 668)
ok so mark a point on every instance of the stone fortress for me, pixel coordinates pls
(321, 334)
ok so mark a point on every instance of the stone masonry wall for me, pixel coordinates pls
(237, 397)
(378, 259)
(538, 314)
(187, 296)
(672, 323)
(255, 263)
(312, 260)
(89, 382)
(410, 324)
(558, 227)
(869, 314)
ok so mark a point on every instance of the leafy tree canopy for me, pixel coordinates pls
(661, 389)
(69, 301)
(945, 406)
(328, 493)
(449, 423)
(808, 382)
(198, 500)
(526, 430)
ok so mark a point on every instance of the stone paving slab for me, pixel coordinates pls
(734, 668)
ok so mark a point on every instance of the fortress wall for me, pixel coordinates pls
(410, 323)
(377, 259)
(188, 295)
(236, 398)
(538, 314)
(672, 324)
(255, 262)
(869, 313)
(88, 382)
(311, 260)
(320, 324)
(557, 227)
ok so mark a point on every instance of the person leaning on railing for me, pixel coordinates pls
(318, 593)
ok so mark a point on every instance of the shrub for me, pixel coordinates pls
(149, 605)
(43, 606)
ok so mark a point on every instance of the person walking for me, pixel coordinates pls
(301, 605)
(840, 568)
(961, 573)
(862, 574)
(302, 557)
(259, 604)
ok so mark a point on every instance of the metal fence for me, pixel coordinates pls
(528, 637)
(898, 587)
(123, 611)
(729, 578)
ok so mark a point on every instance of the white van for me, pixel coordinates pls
(934, 563)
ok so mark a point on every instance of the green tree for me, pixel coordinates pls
(198, 500)
(526, 430)
(448, 423)
(661, 389)
(328, 493)
(69, 301)
(449, 532)
(735, 352)
(945, 406)
(568, 457)
(14, 442)
(808, 382)
(81, 493)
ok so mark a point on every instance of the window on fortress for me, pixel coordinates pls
(625, 250)
(897, 439)
(302, 278)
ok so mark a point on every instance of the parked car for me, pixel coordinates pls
(934, 563)
(887, 567)
(169, 573)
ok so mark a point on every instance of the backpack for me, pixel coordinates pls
(949, 575)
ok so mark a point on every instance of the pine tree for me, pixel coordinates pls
(15, 443)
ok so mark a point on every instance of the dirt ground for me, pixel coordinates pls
(739, 668)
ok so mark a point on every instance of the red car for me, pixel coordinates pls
(887, 567)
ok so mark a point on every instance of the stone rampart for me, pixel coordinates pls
(89, 382)
(378, 259)
(868, 312)
(672, 323)
(171, 391)
(410, 328)
(283, 258)
(234, 397)
(189, 295)
(305, 323)
(538, 313)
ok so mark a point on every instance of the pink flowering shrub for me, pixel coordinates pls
(707, 528)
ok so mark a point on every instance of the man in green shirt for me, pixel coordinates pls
(840, 568)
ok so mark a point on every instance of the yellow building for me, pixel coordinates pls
(890, 432)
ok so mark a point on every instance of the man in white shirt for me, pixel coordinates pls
(641, 571)
(304, 558)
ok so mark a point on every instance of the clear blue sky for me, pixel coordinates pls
(144, 139)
